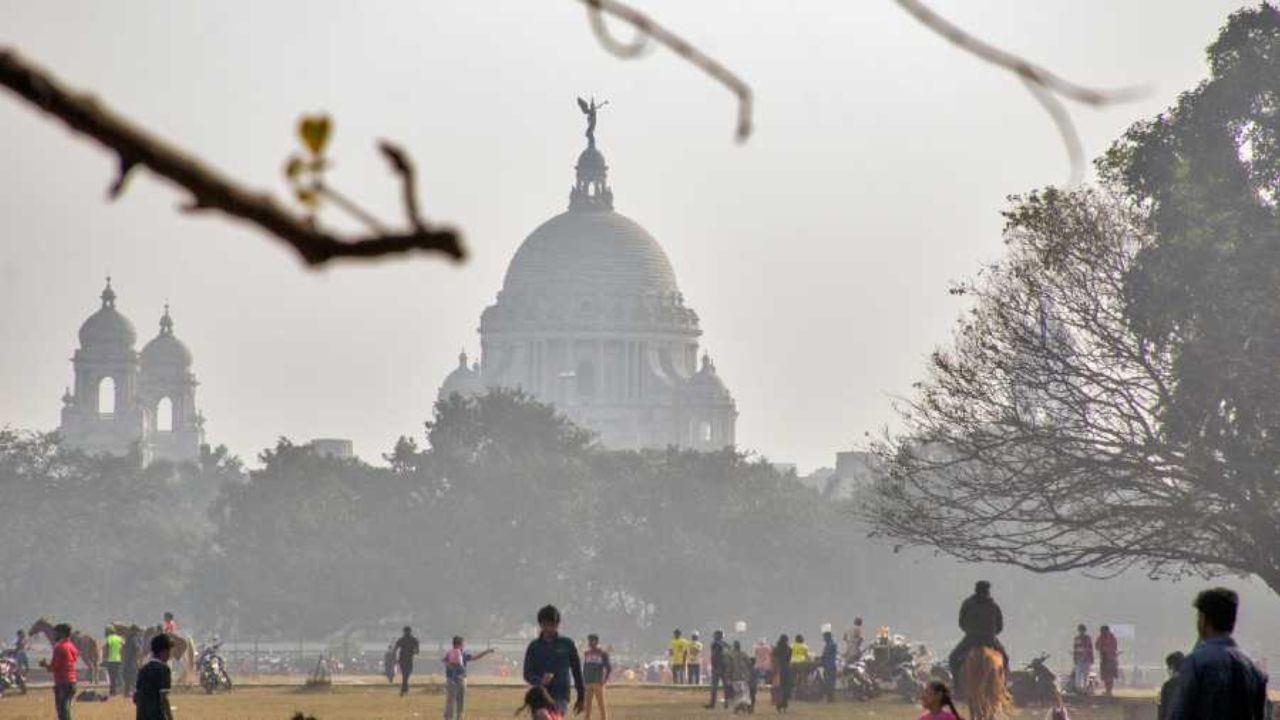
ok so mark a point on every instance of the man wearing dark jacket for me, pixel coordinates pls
(1218, 681)
(981, 621)
(718, 668)
(551, 659)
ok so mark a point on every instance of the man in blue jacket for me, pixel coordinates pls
(1218, 681)
(551, 658)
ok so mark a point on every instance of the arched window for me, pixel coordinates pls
(164, 415)
(107, 396)
(704, 431)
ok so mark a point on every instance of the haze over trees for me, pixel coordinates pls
(1112, 399)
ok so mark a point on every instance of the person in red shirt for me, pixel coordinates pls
(63, 668)
(1109, 654)
(170, 626)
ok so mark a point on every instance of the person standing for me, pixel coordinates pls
(1218, 681)
(170, 625)
(830, 655)
(853, 641)
(596, 670)
(406, 648)
(761, 668)
(799, 650)
(781, 674)
(62, 665)
(552, 659)
(1173, 663)
(693, 660)
(130, 659)
(718, 668)
(112, 652)
(1081, 659)
(151, 698)
(20, 652)
(455, 662)
(1108, 658)
(677, 650)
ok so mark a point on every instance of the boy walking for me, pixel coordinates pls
(112, 658)
(551, 660)
(406, 648)
(455, 676)
(596, 670)
(151, 696)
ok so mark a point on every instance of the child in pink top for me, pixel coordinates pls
(935, 696)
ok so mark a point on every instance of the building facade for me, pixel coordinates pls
(124, 399)
(590, 319)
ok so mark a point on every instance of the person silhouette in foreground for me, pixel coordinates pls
(1217, 680)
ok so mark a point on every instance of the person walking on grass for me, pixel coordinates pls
(830, 657)
(1218, 681)
(151, 696)
(455, 675)
(782, 674)
(62, 666)
(596, 670)
(130, 660)
(1108, 658)
(551, 660)
(406, 648)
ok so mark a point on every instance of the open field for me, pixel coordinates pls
(376, 702)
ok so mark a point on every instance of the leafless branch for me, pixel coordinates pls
(209, 189)
(1043, 84)
(403, 166)
(647, 28)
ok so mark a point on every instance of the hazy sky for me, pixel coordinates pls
(817, 255)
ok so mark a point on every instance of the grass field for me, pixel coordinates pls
(370, 702)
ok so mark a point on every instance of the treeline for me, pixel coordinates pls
(506, 507)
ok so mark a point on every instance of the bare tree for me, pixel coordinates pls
(1037, 440)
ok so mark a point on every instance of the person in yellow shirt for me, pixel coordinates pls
(112, 649)
(799, 651)
(677, 651)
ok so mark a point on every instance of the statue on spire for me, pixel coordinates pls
(589, 109)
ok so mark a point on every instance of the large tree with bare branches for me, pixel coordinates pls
(1113, 398)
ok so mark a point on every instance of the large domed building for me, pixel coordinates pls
(125, 399)
(591, 319)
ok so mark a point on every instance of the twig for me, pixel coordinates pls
(403, 166)
(647, 28)
(209, 189)
(1044, 85)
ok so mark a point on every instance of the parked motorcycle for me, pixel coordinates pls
(906, 682)
(212, 669)
(1035, 684)
(11, 675)
(858, 684)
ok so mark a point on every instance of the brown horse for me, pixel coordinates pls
(982, 683)
(184, 651)
(84, 644)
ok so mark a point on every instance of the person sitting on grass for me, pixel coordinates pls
(935, 696)
(539, 704)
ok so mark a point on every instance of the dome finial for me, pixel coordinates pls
(591, 191)
(166, 322)
(462, 359)
(108, 295)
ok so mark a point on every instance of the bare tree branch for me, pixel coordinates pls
(1044, 85)
(209, 189)
(647, 28)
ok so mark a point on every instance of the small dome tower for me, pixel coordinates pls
(167, 393)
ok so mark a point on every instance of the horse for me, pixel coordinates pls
(982, 683)
(184, 651)
(84, 644)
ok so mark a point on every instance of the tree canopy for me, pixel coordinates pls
(1113, 398)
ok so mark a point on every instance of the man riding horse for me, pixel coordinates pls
(981, 621)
